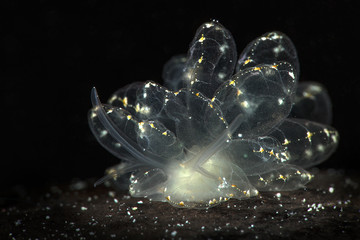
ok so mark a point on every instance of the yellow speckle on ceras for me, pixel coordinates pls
(238, 92)
(201, 40)
(247, 61)
(282, 177)
(201, 59)
(232, 82)
(309, 135)
(125, 101)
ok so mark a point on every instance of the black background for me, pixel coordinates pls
(55, 53)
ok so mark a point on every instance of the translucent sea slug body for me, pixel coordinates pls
(210, 135)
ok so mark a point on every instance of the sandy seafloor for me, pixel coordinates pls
(328, 208)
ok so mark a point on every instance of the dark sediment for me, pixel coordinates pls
(328, 208)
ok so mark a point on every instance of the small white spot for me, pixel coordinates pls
(208, 25)
(244, 104)
(93, 114)
(223, 48)
(291, 74)
(308, 153)
(334, 138)
(103, 133)
(173, 233)
(278, 49)
(320, 148)
(221, 75)
(314, 89)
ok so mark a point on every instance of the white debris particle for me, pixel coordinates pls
(79, 185)
(89, 199)
(316, 207)
(83, 208)
(126, 197)
(134, 208)
(173, 233)
(217, 228)
(55, 189)
(17, 222)
(111, 194)
(331, 189)
(140, 202)
(113, 235)
(115, 200)
(349, 182)
(47, 217)
(278, 195)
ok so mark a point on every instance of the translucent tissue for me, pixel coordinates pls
(209, 135)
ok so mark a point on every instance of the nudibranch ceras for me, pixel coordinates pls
(210, 135)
